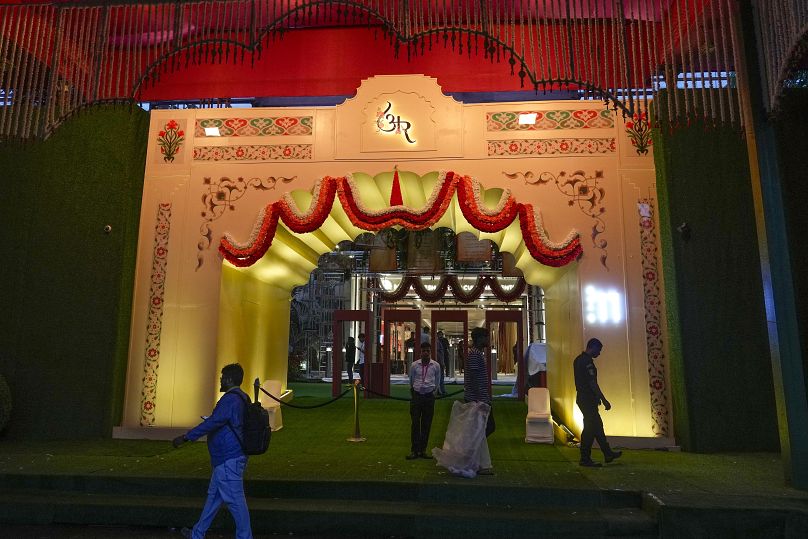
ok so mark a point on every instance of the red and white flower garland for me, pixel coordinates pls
(449, 183)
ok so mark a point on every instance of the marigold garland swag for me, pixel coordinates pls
(468, 195)
(451, 281)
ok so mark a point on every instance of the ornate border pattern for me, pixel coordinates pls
(653, 330)
(552, 146)
(583, 191)
(221, 196)
(254, 152)
(154, 324)
(550, 120)
(257, 127)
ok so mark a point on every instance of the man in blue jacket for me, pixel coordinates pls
(224, 431)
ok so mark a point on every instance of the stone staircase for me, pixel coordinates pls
(331, 509)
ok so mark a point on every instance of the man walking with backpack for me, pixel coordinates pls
(225, 431)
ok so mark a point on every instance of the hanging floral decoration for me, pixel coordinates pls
(638, 130)
(170, 140)
(468, 192)
(453, 283)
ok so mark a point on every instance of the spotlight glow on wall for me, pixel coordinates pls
(602, 306)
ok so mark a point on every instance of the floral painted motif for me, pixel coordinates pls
(583, 191)
(278, 152)
(154, 323)
(552, 146)
(221, 197)
(550, 120)
(170, 140)
(653, 319)
(638, 130)
(469, 199)
(258, 127)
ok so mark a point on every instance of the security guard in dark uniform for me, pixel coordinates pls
(589, 397)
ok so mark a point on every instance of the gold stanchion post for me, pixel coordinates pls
(357, 437)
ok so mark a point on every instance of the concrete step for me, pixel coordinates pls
(329, 517)
(476, 494)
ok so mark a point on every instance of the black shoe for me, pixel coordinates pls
(186, 532)
(426, 456)
(590, 464)
(614, 455)
(412, 456)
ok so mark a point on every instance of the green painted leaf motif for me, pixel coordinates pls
(554, 117)
(262, 125)
(210, 122)
(506, 120)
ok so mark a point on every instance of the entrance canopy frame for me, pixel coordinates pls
(391, 316)
(450, 316)
(492, 317)
(340, 316)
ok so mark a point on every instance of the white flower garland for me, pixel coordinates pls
(315, 194)
(538, 222)
(476, 189)
(256, 230)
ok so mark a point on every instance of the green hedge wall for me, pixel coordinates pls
(69, 284)
(721, 374)
(789, 128)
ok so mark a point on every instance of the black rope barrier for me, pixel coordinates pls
(408, 400)
(320, 405)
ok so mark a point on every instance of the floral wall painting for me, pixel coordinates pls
(508, 120)
(154, 322)
(653, 317)
(257, 127)
(220, 197)
(254, 152)
(551, 146)
(583, 191)
(638, 130)
(170, 139)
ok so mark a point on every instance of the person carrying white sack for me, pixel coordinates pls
(465, 449)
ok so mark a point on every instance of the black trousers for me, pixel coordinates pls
(422, 408)
(593, 430)
(349, 367)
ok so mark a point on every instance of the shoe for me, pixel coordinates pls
(186, 532)
(614, 455)
(590, 464)
(426, 456)
(485, 471)
(412, 456)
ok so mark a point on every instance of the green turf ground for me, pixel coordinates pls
(313, 446)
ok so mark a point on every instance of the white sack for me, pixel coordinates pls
(465, 448)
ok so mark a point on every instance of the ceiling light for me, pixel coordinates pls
(527, 118)
(214, 132)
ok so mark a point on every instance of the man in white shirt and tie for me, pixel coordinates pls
(424, 381)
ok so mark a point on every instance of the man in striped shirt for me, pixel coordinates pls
(476, 382)
(424, 380)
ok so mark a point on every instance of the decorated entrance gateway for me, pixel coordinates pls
(239, 206)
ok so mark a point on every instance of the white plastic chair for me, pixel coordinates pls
(272, 406)
(538, 423)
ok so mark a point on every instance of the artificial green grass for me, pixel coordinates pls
(313, 446)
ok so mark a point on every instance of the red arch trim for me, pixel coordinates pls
(327, 189)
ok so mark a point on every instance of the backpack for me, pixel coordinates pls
(255, 428)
